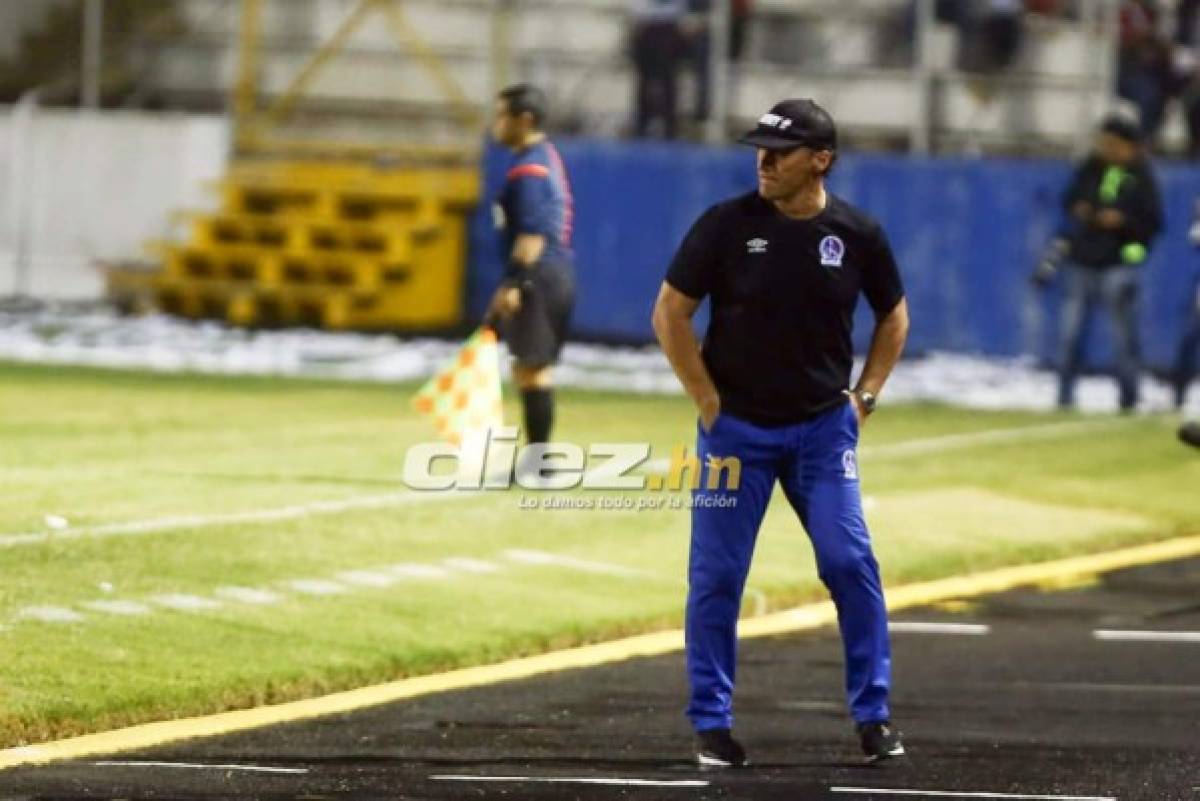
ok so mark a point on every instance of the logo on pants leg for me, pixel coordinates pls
(849, 465)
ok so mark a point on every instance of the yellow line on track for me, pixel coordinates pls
(802, 618)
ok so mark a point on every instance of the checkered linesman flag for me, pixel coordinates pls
(465, 394)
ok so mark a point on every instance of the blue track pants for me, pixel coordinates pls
(816, 465)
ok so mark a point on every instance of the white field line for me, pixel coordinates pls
(49, 614)
(316, 587)
(617, 782)
(196, 766)
(468, 565)
(347, 581)
(386, 500)
(183, 602)
(414, 570)
(999, 436)
(367, 578)
(950, 794)
(1111, 635)
(117, 607)
(248, 595)
(759, 598)
(916, 627)
(528, 557)
(157, 525)
(952, 442)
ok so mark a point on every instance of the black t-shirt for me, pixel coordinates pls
(783, 293)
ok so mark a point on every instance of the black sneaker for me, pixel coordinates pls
(716, 748)
(880, 741)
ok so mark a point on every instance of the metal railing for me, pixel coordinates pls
(925, 102)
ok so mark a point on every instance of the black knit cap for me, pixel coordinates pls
(793, 123)
(1122, 126)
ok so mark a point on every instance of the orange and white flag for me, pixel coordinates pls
(465, 394)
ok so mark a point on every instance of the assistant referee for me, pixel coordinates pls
(783, 268)
(536, 214)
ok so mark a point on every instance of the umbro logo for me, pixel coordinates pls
(757, 245)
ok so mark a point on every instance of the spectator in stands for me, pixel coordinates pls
(739, 22)
(657, 45)
(1186, 65)
(1189, 345)
(1049, 8)
(1143, 63)
(1115, 213)
(1187, 23)
(699, 41)
(991, 32)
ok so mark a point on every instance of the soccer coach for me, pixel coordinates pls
(783, 268)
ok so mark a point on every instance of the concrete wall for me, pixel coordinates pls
(78, 189)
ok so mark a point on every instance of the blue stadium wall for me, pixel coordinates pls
(966, 232)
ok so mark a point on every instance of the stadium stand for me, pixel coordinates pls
(330, 231)
(327, 215)
(335, 245)
(839, 51)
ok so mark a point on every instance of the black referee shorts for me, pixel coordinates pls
(536, 333)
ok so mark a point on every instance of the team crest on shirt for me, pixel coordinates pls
(757, 245)
(832, 250)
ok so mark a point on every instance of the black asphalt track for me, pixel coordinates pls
(1037, 707)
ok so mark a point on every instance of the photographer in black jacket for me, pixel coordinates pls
(1114, 213)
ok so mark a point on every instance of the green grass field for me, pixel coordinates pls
(112, 448)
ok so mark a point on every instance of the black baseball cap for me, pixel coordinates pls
(793, 123)
(1122, 126)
